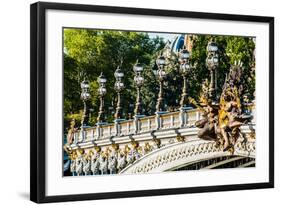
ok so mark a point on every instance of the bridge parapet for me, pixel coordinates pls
(169, 120)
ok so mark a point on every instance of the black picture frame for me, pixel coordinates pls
(38, 100)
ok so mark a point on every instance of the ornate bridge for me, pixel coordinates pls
(163, 142)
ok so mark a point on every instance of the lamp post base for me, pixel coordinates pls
(183, 115)
(117, 126)
(158, 120)
(83, 133)
(101, 123)
(136, 122)
(160, 112)
(188, 107)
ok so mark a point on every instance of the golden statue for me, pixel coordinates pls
(222, 121)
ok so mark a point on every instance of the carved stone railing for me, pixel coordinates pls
(169, 120)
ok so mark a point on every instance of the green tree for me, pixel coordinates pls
(89, 52)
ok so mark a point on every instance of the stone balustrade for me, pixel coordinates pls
(138, 125)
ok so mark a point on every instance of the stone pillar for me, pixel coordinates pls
(148, 124)
(137, 122)
(172, 121)
(118, 126)
(158, 119)
(99, 131)
(183, 116)
(136, 125)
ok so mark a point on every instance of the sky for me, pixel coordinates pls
(165, 36)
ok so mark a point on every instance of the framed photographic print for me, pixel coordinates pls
(129, 102)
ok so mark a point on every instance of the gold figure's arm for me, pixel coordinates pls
(193, 101)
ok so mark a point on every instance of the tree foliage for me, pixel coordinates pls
(90, 52)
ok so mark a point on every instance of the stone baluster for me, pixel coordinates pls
(172, 121)
(136, 124)
(158, 120)
(95, 133)
(148, 124)
(183, 117)
(84, 136)
(116, 128)
(80, 136)
(99, 131)
(128, 127)
(109, 130)
(92, 134)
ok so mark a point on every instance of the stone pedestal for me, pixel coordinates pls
(183, 116)
(99, 129)
(137, 122)
(117, 126)
(158, 120)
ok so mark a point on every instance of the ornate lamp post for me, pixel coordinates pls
(119, 87)
(212, 63)
(161, 75)
(85, 96)
(185, 69)
(139, 80)
(102, 91)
